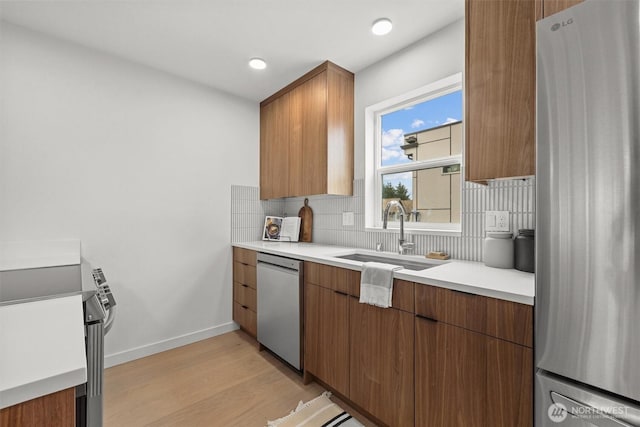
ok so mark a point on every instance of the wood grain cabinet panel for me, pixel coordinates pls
(509, 384)
(464, 378)
(246, 274)
(53, 410)
(450, 375)
(245, 295)
(246, 318)
(326, 339)
(554, 6)
(382, 362)
(308, 162)
(306, 132)
(245, 307)
(327, 276)
(498, 318)
(245, 256)
(510, 321)
(462, 309)
(500, 88)
(274, 148)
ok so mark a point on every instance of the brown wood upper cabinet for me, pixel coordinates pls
(500, 88)
(553, 6)
(306, 136)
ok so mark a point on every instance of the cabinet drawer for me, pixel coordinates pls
(402, 297)
(466, 310)
(244, 295)
(327, 276)
(510, 321)
(244, 256)
(244, 274)
(498, 318)
(246, 318)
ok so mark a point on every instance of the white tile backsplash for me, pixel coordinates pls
(515, 196)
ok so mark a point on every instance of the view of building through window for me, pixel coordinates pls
(429, 136)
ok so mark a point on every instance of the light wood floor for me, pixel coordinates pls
(222, 381)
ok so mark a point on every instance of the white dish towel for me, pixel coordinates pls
(376, 283)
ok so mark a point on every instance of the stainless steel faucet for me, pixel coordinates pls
(403, 246)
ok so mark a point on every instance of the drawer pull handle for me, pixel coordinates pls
(245, 307)
(469, 294)
(341, 293)
(245, 286)
(419, 316)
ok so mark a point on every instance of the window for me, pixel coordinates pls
(414, 155)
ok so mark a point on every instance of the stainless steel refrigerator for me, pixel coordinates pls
(587, 347)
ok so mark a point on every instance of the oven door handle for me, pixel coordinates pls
(111, 315)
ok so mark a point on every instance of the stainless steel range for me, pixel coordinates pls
(30, 284)
(99, 314)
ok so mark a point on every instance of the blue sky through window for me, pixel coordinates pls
(429, 114)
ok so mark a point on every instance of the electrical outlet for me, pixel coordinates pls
(347, 218)
(496, 221)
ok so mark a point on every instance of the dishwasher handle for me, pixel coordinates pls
(288, 263)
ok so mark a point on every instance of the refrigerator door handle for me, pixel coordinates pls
(595, 416)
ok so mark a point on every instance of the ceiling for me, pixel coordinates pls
(211, 41)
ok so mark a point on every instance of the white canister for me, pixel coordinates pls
(498, 250)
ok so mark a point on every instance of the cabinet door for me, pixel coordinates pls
(326, 338)
(553, 6)
(246, 318)
(464, 378)
(308, 146)
(274, 148)
(500, 88)
(382, 355)
(52, 410)
(450, 375)
(509, 384)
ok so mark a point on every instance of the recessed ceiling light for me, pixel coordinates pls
(257, 63)
(381, 27)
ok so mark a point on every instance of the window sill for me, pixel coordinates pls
(422, 231)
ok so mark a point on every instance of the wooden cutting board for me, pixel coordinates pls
(306, 222)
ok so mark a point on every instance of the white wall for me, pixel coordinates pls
(136, 163)
(426, 61)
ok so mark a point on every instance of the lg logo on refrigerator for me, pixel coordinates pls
(558, 25)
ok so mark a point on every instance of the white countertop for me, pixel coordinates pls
(466, 276)
(41, 348)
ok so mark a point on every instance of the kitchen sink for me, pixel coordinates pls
(405, 263)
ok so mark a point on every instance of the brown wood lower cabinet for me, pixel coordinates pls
(464, 378)
(246, 318)
(450, 375)
(53, 410)
(509, 384)
(326, 339)
(245, 310)
(437, 358)
(381, 368)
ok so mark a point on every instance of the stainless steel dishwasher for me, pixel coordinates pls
(280, 307)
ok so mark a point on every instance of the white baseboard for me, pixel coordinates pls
(157, 347)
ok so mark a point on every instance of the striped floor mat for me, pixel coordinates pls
(319, 412)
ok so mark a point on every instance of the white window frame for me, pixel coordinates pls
(374, 170)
